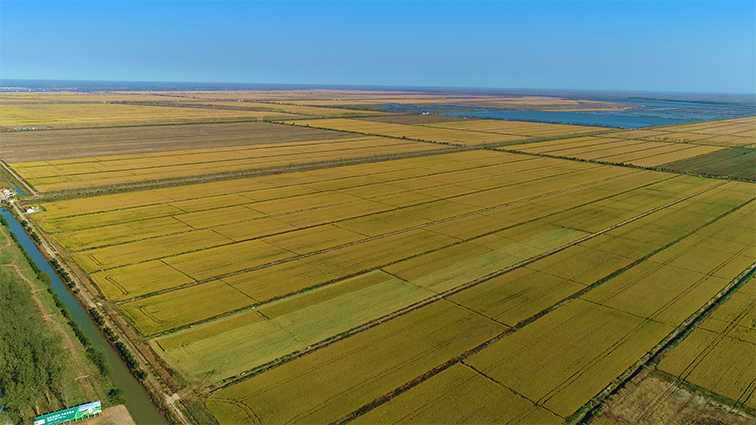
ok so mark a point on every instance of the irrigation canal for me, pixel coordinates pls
(137, 402)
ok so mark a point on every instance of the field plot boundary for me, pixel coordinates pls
(230, 175)
(253, 372)
(386, 235)
(574, 418)
(10, 170)
(590, 409)
(660, 168)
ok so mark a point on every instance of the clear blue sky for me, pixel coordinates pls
(654, 46)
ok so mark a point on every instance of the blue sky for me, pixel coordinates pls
(645, 46)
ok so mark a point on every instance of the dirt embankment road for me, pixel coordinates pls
(117, 415)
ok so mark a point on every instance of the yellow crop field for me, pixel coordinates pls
(89, 221)
(738, 132)
(314, 239)
(313, 317)
(459, 395)
(608, 152)
(676, 156)
(79, 97)
(216, 217)
(135, 252)
(441, 271)
(602, 343)
(104, 203)
(359, 254)
(451, 136)
(559, 274)
(139, 279)
(214, 262)
(631, 157)
(580, 145)
(370, 364)
(245, 230)
(528, 129)
(55, 175)
(280, 279)
(72, 115)
(162, 312)
(718, 354)
(119, 233)
(641, 153)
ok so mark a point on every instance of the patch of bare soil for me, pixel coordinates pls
(652, 400)
(117, 415)
(84, 143)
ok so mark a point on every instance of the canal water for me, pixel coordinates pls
(137, 401)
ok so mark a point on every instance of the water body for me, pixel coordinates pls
(642, 111)
(137, 401)
(19, 191)
(576, 118)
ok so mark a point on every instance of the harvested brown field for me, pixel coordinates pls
(86, 143)
(653, 400)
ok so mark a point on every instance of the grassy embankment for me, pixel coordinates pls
(43, 364)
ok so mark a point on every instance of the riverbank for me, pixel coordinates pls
(138, 402)
(48, 367)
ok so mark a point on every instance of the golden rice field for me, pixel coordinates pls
(718, 354)
(689, 148)
(559, 361)
(733, 132)
(72, 115)
(9, 98)
(53, 175)
(225, 278)
(608, 149)
(473, 132)
(515, 128)
(507, 285)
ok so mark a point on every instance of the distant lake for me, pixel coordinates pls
(644, 112)
(578, 118)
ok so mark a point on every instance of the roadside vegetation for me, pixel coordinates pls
(44, 365)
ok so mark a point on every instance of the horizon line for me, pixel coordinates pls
(355, 87)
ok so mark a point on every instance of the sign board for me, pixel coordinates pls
(70, 414)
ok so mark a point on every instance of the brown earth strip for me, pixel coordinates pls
(87, 143)
(117, 415)
(681, 406)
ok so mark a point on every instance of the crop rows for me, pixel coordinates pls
(718, 354)
(614, 150)
(525, 129)
(458, 132)
(734, 132)
(558, 361)
(67, 174)
(68, 115)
